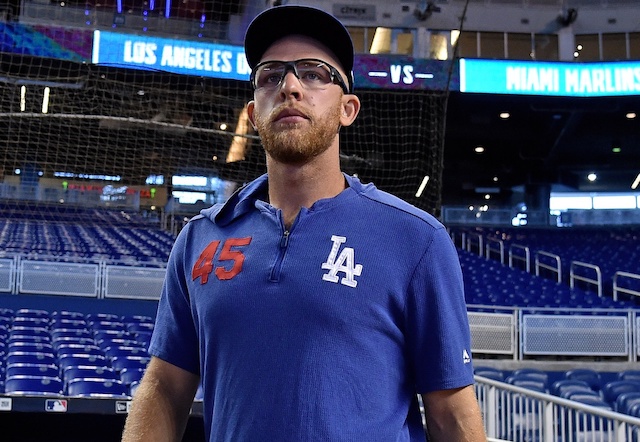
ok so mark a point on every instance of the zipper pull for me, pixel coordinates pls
(284, 242)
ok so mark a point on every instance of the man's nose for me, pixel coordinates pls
(291, 85)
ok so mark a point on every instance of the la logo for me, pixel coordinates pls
(344, 263)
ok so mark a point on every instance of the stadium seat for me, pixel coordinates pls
(558, 387)
(39, 370)
(624, 401)
(29, 347)
(88, 372)
(119, 363)
(99, 388)
(629, 375)
(532, 373)
(32, 313)
(611, 390)
(70, 333)
(115, 351)
(593, 400)
(33, 386)
(531, 384)
(490, 372)
(591, 377)
(64, 349)
(130, 375)
(634, 410)
(19, 357)
(73, 360)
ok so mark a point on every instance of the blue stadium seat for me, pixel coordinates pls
(611, 390)
(64, 349)
(82, 359)
(116, 351)
(70, 333)
(39, 370)
(119, 363)
(490, 372)
(532, 373)
(33, 386)
(32, 313)
(559, 387)
(130, 375)
(30, 347)
(629, 375)
(634, 410)
(99, 388)
(88, 372)
(624, 401)
(19, 357)
(591, 377)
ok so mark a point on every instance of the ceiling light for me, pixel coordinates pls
(423, 184)
(495, 179)
(636, 182)
(631, 115)
(479, 149)
(616, 150)
(592, 177)
(505, 115)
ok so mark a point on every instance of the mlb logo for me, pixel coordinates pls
(56, 405)
(5, 404)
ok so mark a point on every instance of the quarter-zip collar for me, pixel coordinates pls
(244, 200)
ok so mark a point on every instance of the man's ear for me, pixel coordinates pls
(350, 109)
(250, 109)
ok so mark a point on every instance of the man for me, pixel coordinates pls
(309, 306)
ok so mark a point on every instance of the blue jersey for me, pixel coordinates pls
(325, 331)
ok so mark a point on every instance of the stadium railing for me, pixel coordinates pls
(517, 414)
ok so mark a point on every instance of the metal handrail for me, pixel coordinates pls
(573, 277)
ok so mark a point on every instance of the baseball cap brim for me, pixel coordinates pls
(281, 21)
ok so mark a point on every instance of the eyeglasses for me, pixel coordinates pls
(312, 74)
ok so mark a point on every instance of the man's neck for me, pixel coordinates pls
(292, 187)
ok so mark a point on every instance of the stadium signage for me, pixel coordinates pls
(402, 72)
(178, 56)
(355, 11)
(227, 61)
(550, 78)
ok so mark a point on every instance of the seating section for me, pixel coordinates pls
(490, 283)
(611, 248)
(618, 391)
(81, 233)
(71, 354)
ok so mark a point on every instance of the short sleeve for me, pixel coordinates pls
(437, 333)
(174, 337)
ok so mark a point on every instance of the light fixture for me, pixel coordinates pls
(636, 183)
(631, 115)
(479, 149)
(592, 177)
(423, 184)
(505, 115)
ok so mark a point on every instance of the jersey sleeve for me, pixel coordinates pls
(438, 337)
(174, 337)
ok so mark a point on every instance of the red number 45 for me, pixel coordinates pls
(204, 265)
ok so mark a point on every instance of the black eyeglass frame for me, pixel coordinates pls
(336, 78)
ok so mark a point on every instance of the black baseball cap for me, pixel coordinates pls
(280, 21)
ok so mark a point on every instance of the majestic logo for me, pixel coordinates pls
(343, 263)
(465, 357)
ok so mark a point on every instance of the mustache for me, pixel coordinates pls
(288, 109)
